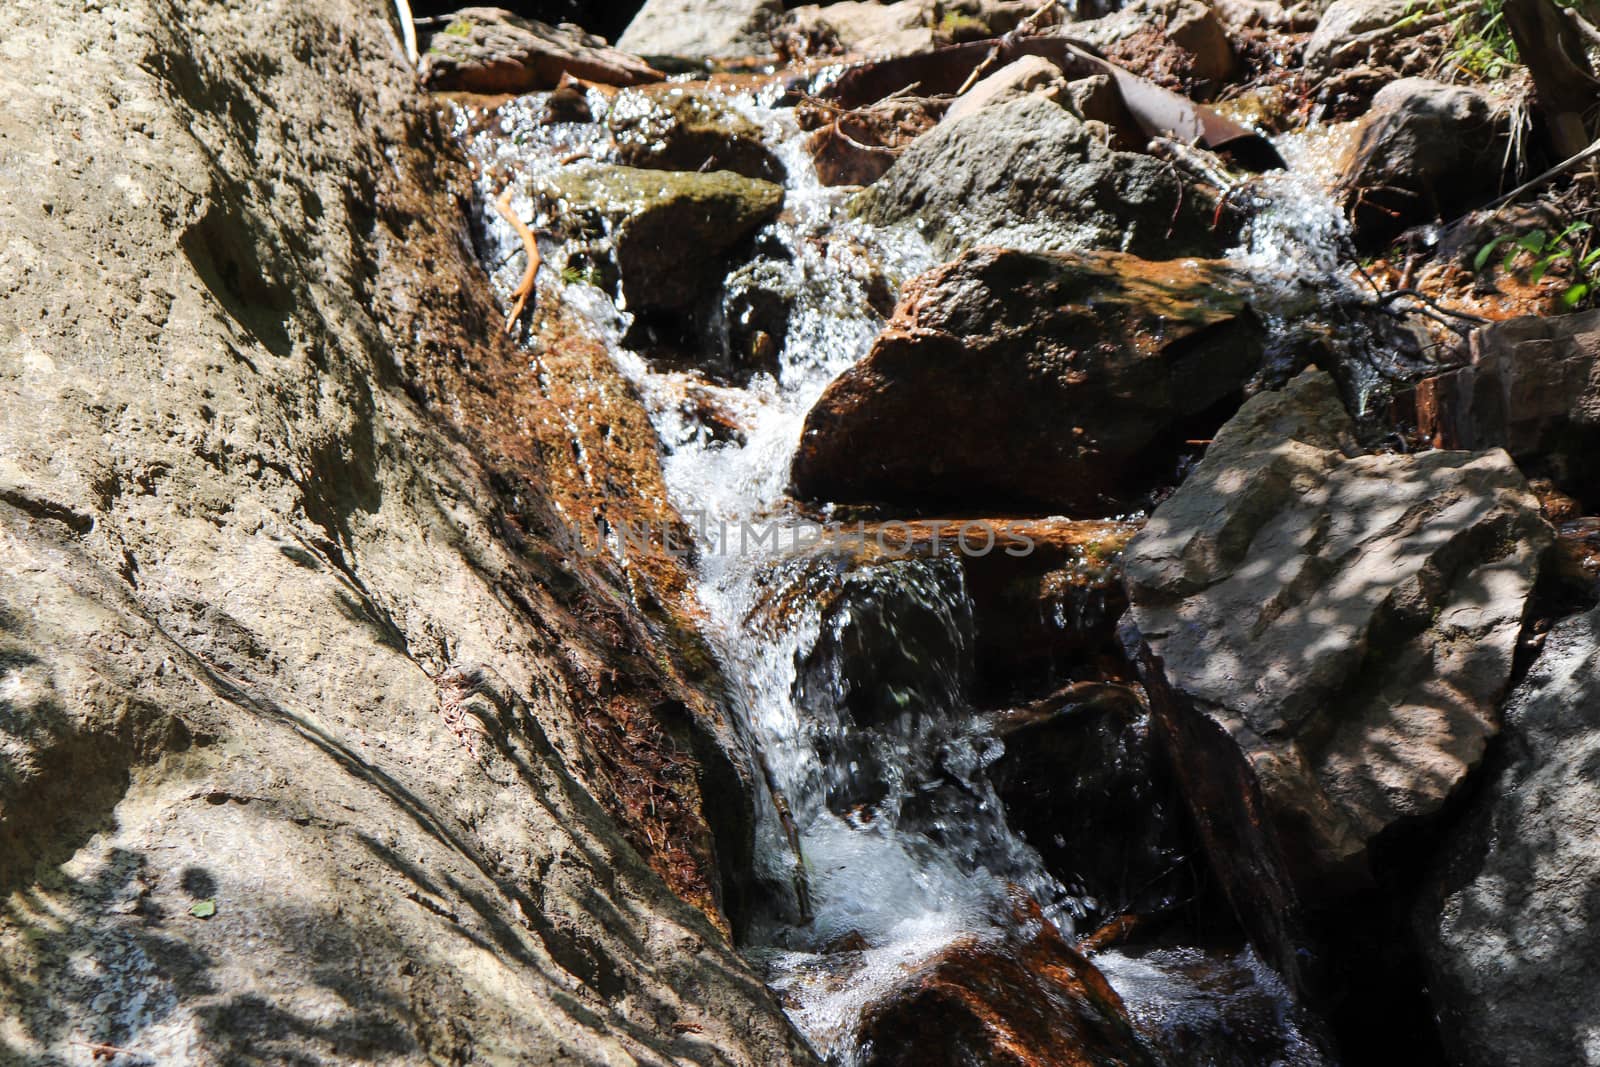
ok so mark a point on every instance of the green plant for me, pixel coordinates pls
(1481, 45)
(572, 275)
(1568, 247)
(959, 26)
(459, 28)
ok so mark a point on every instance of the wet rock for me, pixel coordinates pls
(1028, 76)
(1353, 31)
(1030, 1000)
(667, 231)
(753, 316)
(283, 628)
(703, 29)
(1030, 174)
(1056, 381)
(1532, 388)
(491, 50)
(1213, 1007)
(1426, 150)
(1348, 619)
(1508, 922)
(1177, 43)
(1084, 782)
(864, 28)
(1046, 593)
(689, 131)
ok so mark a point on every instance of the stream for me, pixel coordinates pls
(882, 840)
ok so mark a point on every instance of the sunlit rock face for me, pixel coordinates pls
(1349, 619)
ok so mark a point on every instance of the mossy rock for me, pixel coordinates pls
(689, 130)
(670, 231)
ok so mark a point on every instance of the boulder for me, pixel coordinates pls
(1046, 594)
(1026, 1000)
(491, 50)
(1084, 782)
(1030, 174)
(1348, 619)
(1509, 920)
(1178, 43)
(1532, 388)
(1028, 76)
(1425, 151)
(295, 665)
(703, 29)
(666, 233)
(865, 28)
(688, 130)
(1054, 381)
(1354, 31)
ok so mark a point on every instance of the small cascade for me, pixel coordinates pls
(882, 840)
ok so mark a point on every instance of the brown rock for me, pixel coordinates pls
(856, 147)
(1029, 75)
(1532, 388)
(1029, 1001)
(688, 130)
(1045, 380)
(491, 50)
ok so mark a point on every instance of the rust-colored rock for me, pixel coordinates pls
(491, 50)
(1050, 381)
(1030, 1000)
(1533, 388)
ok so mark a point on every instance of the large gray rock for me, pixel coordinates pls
(1030, 174)
(1349, 619)
(1351, 31)
(290, 694)
(1510, 923)
(703, 29)
(1426, 150)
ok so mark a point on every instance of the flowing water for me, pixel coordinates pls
(881, 839)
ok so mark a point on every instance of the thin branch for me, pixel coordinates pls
(1024, 29)
(524, 289)
(1554, 172)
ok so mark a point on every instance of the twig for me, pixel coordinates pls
(1584, 27)
(1024, 28)
(1554, 172)
(524, 288)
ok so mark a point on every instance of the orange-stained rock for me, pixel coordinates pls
(1050, 381)
(1030, 1000)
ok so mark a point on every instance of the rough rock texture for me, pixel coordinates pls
(1030, 1001)
(866, 28)
(1532, 388)
(685, 129)
(1030, 174)
(1056, 381)
(703, 29)
(857, 146)
(1510, 923)
(1144, 35)
(1426, 150)
(1348, 619)
(1351, 31)
(491, 50)
(1028, 76)
(275, 637)
(649, 217)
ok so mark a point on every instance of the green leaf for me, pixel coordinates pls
(203, 909)
(1588, 261)
(1574, 296)
(1538, 271)
(1488, 250)
(1533, 241)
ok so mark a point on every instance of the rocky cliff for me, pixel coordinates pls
(322, 740)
